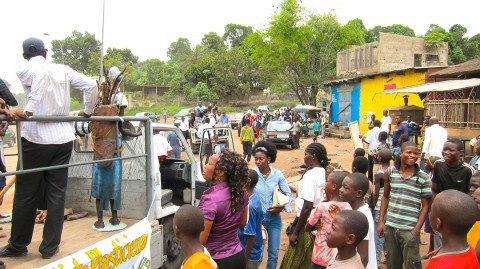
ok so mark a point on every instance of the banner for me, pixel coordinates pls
(128, 249)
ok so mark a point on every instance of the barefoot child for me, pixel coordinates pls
(187, 225)
(322, 254)
(445, 218)
(348, 229)
(251, 235)
(354, 188)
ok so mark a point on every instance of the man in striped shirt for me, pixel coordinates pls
(44, 144)
(406, 199)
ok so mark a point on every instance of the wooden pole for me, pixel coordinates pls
(9, 184)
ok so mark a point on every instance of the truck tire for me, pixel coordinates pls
(172, 248)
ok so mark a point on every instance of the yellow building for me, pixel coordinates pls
(373, 102)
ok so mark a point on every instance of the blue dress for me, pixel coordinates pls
(107, 184)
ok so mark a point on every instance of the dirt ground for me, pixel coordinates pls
(288, 161)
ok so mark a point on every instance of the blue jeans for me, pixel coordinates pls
(175, 153)
(273, 224)
(379, 241)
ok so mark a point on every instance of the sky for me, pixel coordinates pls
(148, 27)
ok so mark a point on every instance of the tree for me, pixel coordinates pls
(213, 42)
(179, 49)
(299, 51)
(119, 57)
(235, 34)
(80, 51)
(397, 29)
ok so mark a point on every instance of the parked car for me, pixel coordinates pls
(236, 122)
(177, 118)
(9, 139)
(151, 115)
(265, 108)
(278, 132)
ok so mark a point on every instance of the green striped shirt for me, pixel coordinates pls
(405, 198)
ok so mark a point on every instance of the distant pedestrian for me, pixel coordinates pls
(386, 122)
(297, 132)
(316, 127)
(399, 130)
(164, 112)
(175, 144)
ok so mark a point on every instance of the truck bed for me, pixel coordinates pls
(77, 235)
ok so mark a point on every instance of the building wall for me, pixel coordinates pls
(350, 90)
(391, 52)
(372, 101)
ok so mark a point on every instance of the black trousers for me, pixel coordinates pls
(371, 162)
(28, 197)
(247, 150)
(237, 261)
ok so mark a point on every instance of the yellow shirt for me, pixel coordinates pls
(199, 260)
(473, 235)
(246, 134)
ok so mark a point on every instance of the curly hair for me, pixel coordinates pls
(236, 170)
(268, 148)
(320, 152)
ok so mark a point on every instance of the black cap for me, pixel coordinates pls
(33, 46)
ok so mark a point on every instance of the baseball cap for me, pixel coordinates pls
(33, 46)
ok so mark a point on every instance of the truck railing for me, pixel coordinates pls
(148, 149)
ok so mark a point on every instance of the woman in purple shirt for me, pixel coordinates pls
(223, 206)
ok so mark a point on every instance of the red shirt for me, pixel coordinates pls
(465, 259)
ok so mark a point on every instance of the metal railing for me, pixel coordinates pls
(149, 177)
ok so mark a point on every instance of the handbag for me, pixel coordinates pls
(280, 198)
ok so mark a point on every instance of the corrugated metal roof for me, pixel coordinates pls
(449, 85)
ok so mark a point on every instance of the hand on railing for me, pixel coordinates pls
(83, 114)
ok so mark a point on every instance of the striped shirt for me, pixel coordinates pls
(405, 198)
(47, 90)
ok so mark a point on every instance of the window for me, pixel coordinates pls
(417, 60)
(432, 59)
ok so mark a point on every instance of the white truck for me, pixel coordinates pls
(151, 194)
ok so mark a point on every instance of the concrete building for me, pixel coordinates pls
(363, 72)
(391, 53)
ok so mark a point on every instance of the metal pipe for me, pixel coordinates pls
(76, 118)
(148, 163)
(33, 170)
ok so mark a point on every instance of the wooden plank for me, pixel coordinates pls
(77, 235)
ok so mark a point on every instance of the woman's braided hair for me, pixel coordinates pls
(320, 153)
(236, 170)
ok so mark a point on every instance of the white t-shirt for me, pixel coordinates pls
(184, 125)
(372, 139)
(310, 188)
(372, 255)
(386, 121)
(161, 145)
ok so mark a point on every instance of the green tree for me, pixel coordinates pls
(119, 57)
(202, 92)
(179, 50)
(79, 51)
(213, 42)
(235, 34)
(393, 29)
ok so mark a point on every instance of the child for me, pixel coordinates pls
(455, 251)
(360, 165)
(450, 173)
(473, 236)
(251, 235)
(359, 152)
(396, 150)
(187, 226)
(384, 157)
(316, 128)
(322, 254)
(401, 227)
(348, 229)
(354, 188)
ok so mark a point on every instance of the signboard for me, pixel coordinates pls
(355, 135)
(127, 249)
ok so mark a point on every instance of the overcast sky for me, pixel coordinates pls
(148, 27)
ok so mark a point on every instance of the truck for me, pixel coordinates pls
(151, 194)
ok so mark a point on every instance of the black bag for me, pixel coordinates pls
(291, 227)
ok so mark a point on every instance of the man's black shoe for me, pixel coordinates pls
(6, 252)
(49, 255)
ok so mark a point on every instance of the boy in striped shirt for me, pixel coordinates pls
(406, 198)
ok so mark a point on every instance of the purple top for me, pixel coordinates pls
(223, 239)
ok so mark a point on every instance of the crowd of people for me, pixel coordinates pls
(347, 219)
